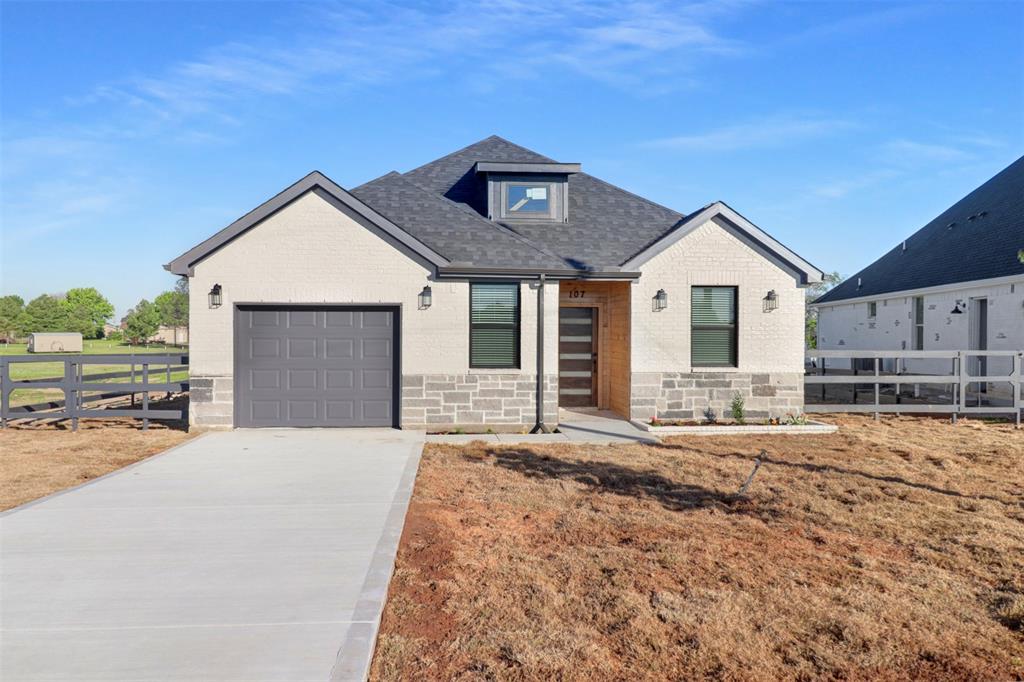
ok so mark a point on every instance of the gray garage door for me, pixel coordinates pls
(315, 366)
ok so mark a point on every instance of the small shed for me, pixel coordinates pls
(55, 342)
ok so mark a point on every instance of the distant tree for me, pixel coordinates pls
(43, 313)
(173, 305)
(814, 292)
(11, 309)
(141, 322)
(87, 311)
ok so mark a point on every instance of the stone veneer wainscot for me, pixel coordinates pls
(683, 395)
(471, 401)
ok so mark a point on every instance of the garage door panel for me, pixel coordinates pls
(265, 410)
(335, 379)
(301, 348)
(376, 348)
(302, 379)
(340, 348)
(340, 318)
(375, 378)
(315, 366)
(376, 318)
(265, 318)
(340, 410)
(375, 410)
(264, 348)
(264, 378)
(302, 318)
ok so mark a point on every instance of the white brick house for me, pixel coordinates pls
(413, 301)
(955, 284)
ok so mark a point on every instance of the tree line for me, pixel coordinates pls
(85, 310)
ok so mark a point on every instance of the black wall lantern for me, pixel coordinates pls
(770, 301)
(956, 309)
(426, 298)
(660, 300)
(215, 297)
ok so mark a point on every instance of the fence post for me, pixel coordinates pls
(1018, 360)
(145, 396)
(961, 398)
(70, 404)
(5, 390)
(878, 398)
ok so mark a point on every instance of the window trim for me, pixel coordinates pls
(535, 215)
(735, 326)
(497, 197)
(518, 328)
(872, 309)
(917, 328)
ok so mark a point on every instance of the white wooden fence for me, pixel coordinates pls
(960, 379)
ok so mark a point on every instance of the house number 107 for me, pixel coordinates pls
(576, 293)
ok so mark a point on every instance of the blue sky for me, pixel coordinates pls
(132, 131)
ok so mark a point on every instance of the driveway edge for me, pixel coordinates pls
(356, 652)
(109, 474)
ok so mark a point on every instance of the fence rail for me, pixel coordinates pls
(960, 379)
(75, 382)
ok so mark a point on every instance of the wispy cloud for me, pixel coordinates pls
(904, 151)
(347, 46)
(333, 51)
(770, 132)
(901, 158)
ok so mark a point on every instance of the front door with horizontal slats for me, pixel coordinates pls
(315, 366)
(577, 357)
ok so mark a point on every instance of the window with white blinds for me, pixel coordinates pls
(494, 326)
(713, 327)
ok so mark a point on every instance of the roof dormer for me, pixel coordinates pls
(535, 192)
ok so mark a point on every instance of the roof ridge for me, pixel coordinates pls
(519, 146)
(379, 177)
(641, 198)
(473, 144)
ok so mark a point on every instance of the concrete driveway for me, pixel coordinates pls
(248, 555)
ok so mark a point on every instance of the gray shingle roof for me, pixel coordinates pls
(607, 225)
(976, 238)
(454, 230)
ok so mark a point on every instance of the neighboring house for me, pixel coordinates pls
(955, 284)
(413, 301)
(174, 336)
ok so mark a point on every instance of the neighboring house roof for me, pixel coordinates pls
(977, 238)
(441, 208)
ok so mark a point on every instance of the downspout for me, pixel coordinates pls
(540, 426)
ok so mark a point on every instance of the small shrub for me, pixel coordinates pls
(1011, 614)
(736, 408)
(710, 416)
(796, 419)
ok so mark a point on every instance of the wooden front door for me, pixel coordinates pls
(577, 357)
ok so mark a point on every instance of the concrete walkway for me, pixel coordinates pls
(576, 426)
(248, 555)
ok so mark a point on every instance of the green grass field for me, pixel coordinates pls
(55, 370)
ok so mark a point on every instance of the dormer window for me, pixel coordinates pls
(527, 198)
(535, 192)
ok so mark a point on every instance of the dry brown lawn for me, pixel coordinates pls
(891, 550)
(42, 458)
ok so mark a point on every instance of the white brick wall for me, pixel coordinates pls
(848, 327)
(310, 252)
(768, 342)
